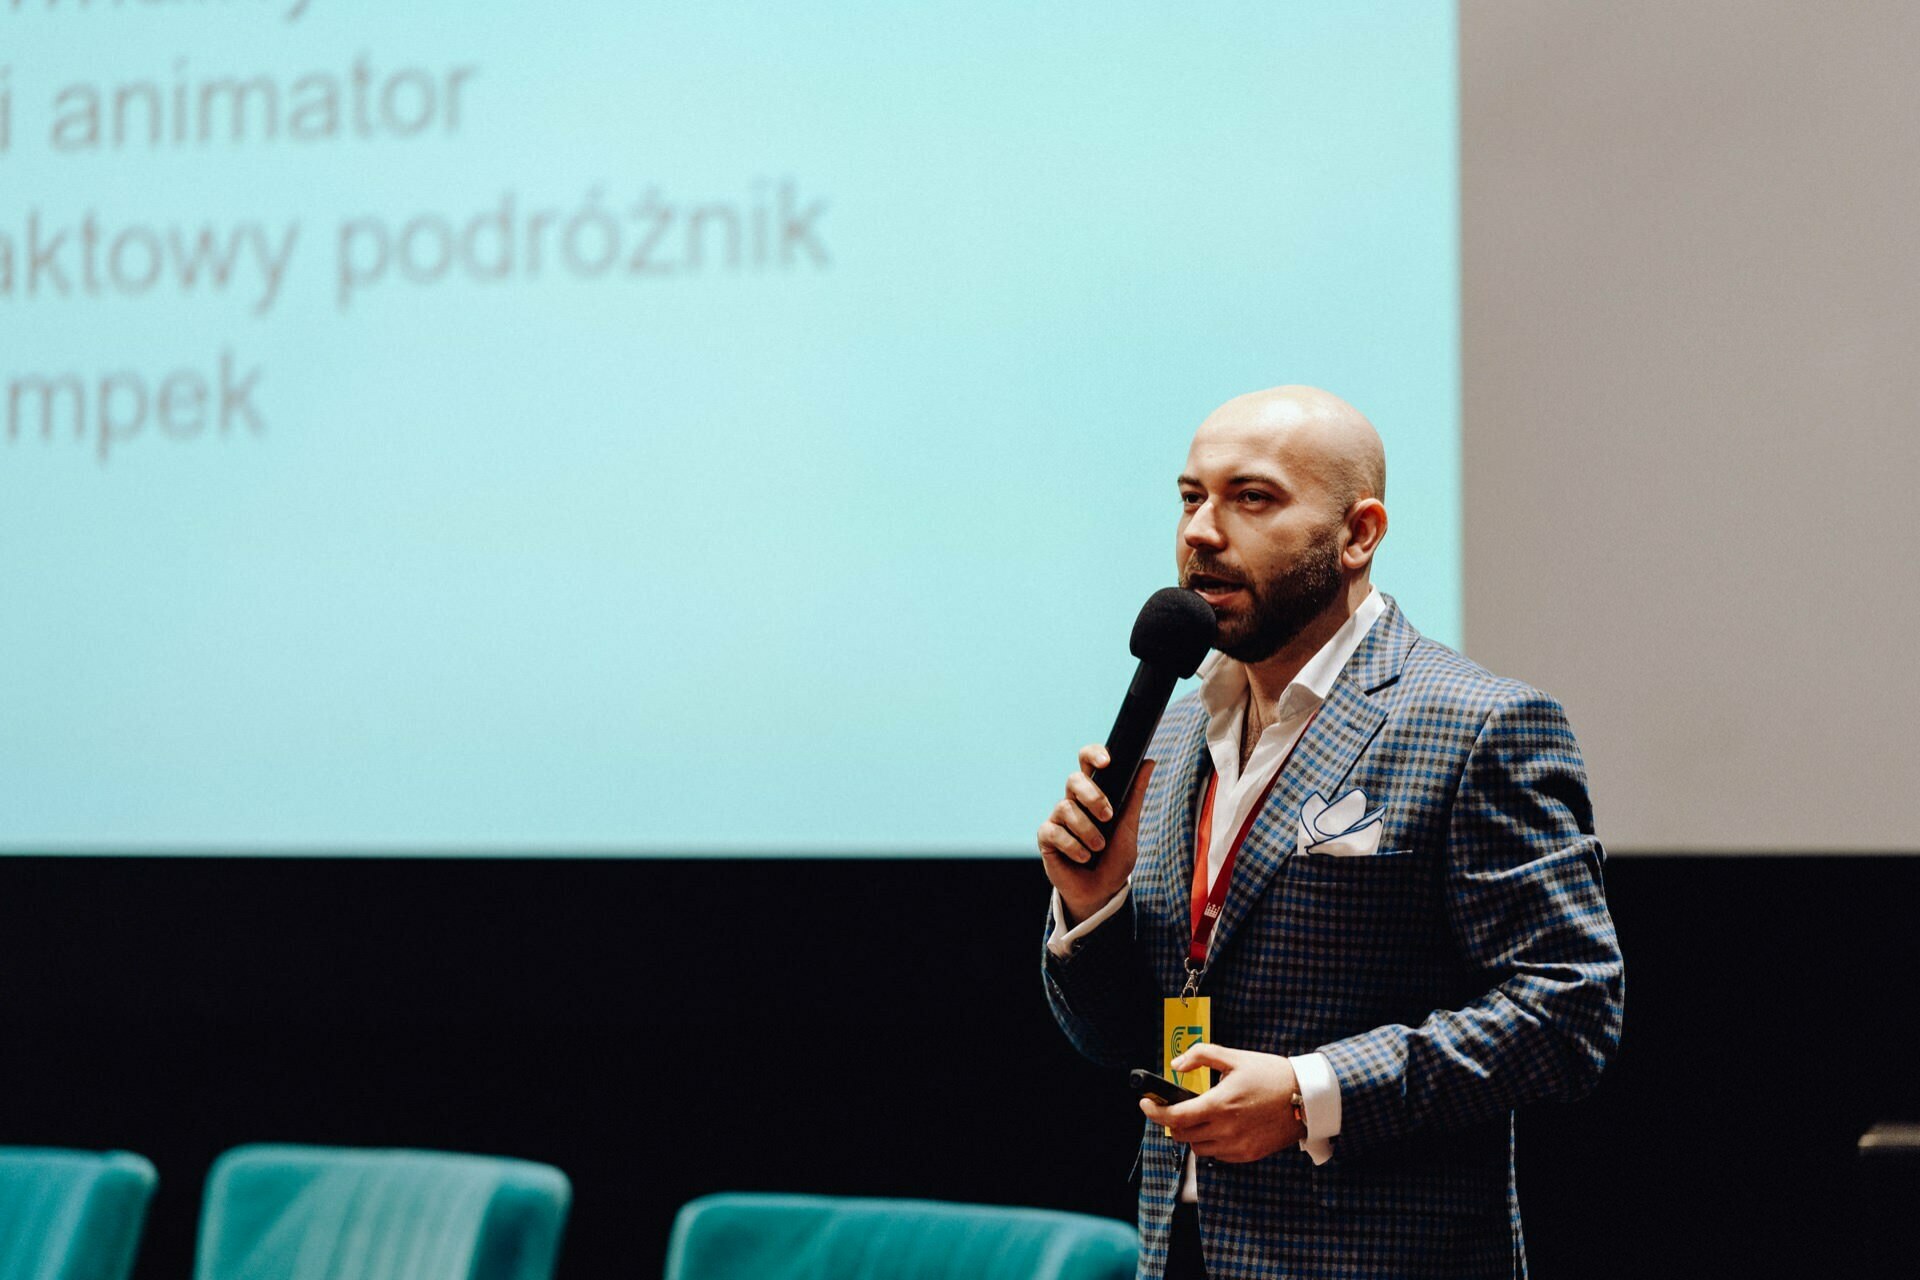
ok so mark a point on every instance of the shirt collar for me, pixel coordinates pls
(1223, 681)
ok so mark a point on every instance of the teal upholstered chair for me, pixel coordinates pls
(324, 1213)
(71, 1215)
(776, 1237)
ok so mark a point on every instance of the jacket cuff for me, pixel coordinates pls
(1369, 1071)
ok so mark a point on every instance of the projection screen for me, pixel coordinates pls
(662, 428)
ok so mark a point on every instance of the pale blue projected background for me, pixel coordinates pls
(827, 540)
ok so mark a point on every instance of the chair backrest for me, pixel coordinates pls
(71, 1215)
(328, 1213)
(778, 1237)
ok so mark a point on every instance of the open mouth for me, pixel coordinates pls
(1212, 588)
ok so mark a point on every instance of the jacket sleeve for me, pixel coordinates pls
(1102, 994)
(1527, 910)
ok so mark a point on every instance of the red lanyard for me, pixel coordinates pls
(1207, 903)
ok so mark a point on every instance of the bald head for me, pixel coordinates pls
(1280, 516)
(1311, 431)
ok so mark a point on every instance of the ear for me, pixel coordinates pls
(1366, 525)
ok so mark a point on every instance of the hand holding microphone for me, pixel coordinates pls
(1088, 839)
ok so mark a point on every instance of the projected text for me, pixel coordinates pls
(249, 266)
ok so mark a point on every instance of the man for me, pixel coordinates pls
(1397, 917)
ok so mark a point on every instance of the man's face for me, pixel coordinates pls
(1259, 539)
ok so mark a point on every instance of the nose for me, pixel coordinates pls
(1202, 530)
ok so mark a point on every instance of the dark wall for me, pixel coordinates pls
(659, 1029)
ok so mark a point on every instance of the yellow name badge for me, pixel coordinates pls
(1185, 1022)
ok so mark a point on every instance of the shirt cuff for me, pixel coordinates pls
(1320, 1099)
(1063, 939)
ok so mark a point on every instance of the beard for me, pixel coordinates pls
(1281, 606)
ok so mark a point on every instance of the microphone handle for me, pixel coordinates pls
(1140, 713)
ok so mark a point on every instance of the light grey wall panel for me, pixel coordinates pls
(1691, 334)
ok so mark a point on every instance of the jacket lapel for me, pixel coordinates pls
(1346, 722)
(1187, 781)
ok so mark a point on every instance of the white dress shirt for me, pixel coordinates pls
(1224, 694)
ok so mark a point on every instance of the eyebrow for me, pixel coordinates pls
(1271, 482)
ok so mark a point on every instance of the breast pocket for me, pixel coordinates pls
(1365, 933)
(1393, 892)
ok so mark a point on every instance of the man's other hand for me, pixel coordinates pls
(1248, 1115)
(1069, 840)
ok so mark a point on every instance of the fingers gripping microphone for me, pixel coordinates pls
(1170, 637)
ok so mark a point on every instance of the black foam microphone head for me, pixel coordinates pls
(1174, 630)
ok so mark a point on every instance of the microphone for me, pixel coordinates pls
(1170, 637)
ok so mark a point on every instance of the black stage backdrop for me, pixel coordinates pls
(664, 1028)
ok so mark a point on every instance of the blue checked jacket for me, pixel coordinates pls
(1466, 969)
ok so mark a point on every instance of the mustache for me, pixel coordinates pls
(1198, 566)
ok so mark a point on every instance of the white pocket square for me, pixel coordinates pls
(1343, 829)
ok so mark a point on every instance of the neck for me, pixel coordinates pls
(1269, 678)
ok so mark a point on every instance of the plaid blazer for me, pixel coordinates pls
(1467, 968)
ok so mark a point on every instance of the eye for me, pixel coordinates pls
(1253, 497)
(1190, 500)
